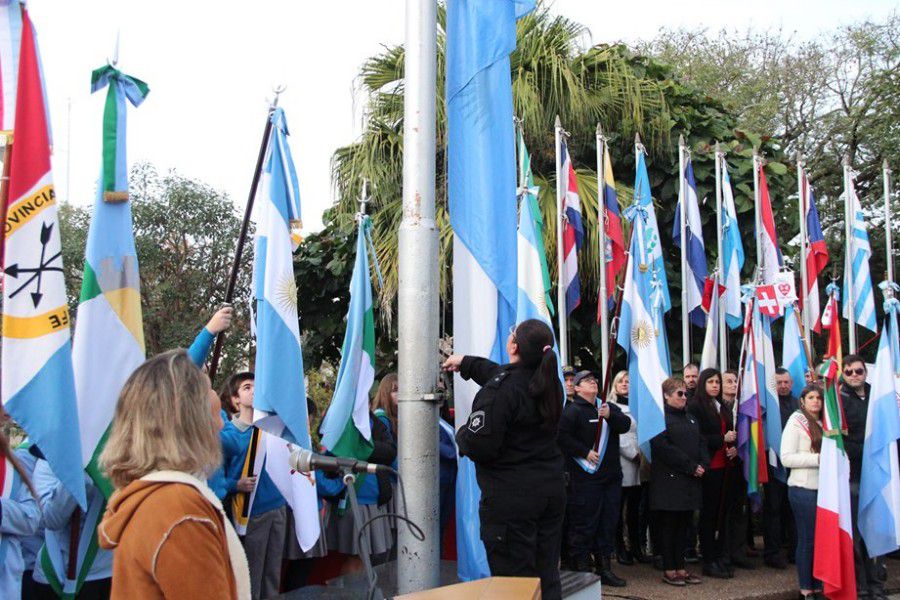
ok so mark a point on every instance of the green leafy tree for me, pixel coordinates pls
(185, 234)
(554, 74)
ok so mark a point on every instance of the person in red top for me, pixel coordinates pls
(717, 428)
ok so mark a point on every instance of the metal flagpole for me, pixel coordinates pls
(848, 260)
(757, 219)
(601, 224)
(560, 214)
(720, 262)
(682, 198)
(802, 203)
(418, 560)
(888, 237)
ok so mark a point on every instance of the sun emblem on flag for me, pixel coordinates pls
(286, 293)
(641, 334)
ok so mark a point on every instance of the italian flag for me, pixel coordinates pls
(109, 331)
(346, 430)
(833, 553)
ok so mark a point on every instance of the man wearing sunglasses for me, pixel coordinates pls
(855, 399)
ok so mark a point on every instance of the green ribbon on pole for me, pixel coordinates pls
(121, 87)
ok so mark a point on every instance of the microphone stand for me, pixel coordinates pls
(372, 591)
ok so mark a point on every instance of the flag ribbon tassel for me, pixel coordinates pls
(120, 86)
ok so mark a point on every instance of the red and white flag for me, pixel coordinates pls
(767, 300)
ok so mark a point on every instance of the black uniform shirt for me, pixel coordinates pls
(578, 432)
(514, 451)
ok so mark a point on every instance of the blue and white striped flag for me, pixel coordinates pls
(695, 251)
(879, 487)
(650, 240)
(481, 164)
(793, 356)
(856, 267)
(732, 255)
(642, 328)
(279, 398)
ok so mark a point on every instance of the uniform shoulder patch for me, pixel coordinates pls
(497, 379)
(476, 421)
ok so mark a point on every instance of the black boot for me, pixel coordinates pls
(714, 569)
(624, 557)
(607, 577)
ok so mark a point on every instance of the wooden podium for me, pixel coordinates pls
(490, 588)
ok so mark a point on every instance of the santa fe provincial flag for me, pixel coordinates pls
(38, 387)
(109, 313)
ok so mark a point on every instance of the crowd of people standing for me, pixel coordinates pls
(564, 484)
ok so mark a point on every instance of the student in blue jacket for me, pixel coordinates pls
(20, 518)
(54, 568)
(267, 526)
(198, 352)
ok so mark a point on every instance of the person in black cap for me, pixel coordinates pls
(589, 432)
(511, 437)
(569, 379)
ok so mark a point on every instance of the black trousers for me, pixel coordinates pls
(737, 516)
(778, 520)
(718, 497)
(521, 535)
(673, 526)
(629, 510)
(592, 512)
(868, 578)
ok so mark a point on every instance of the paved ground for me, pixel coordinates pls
(644, 583)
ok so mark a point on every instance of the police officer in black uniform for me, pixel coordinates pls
(511, 438)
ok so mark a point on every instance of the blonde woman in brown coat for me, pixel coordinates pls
(167, 529)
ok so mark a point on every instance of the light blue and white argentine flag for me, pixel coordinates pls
(732, 255)
(695, 251)
(879, 488)
(481, 164)
(642, 329)
(856, 267)
(279, 397)
(793, 356)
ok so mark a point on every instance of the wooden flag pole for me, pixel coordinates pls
(242, 237)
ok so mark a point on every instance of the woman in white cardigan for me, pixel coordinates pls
(800, 446)
(630, 459)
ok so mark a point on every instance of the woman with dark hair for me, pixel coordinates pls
(679, 462)
(801, 444)
(717, 429)
(511, 437)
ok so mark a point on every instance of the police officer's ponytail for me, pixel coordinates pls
(535, 341)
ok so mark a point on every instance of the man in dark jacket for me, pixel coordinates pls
(855, 399)
(589, 432)
(778, 520)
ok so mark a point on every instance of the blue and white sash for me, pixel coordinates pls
(583, 462)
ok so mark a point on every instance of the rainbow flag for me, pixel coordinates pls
(751, 434)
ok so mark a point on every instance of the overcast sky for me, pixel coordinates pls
(211, 68)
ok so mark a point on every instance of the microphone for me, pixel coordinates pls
(305, 461)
